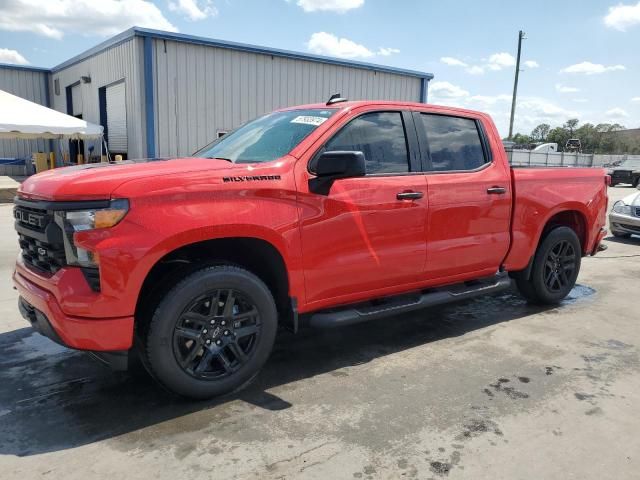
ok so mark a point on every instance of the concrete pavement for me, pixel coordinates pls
(491, 388)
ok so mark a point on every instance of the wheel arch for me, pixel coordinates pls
(567, 217)
(253, 253)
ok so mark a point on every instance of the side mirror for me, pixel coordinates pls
(339, 164)
(332, 165)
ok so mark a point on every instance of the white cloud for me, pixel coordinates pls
(385, 52)
(12, 56)
(580, 100)
(453, 62)
(622, 16)
(441, 92)
(475, 70)
(498, 61)
(560, 88)
(531, 64)
(339, 6)
(193, 9)
(495, 62)
(530, 111)
(55, 17)
(635, 99)
(324, 43)
(589, 68)
(616, 112)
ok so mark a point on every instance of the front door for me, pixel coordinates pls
(366, 234)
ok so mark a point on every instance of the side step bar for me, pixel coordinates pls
(406, 303)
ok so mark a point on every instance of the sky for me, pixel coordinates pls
(580, 59)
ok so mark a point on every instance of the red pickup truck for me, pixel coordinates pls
(321, 215)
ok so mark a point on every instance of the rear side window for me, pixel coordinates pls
(454, 143)
(380, 136)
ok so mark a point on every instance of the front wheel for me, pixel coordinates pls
(211, 333)
(555, 268)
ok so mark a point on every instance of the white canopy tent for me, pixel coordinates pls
(20, 118)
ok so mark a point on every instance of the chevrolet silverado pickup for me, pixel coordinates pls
(319, 216)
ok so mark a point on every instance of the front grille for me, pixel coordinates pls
(41, 255)
(633, 228)
(637, 211)
(40, 239)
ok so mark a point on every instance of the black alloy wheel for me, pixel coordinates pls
(559, 266)
(211, 332)
(216, 334)
(555, 268)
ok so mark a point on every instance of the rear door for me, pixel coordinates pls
(469, 197)
(366, 236)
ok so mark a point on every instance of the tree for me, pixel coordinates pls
(521, 139)
(539, 134)
(571, 125)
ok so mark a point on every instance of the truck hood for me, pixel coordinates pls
(633, 199)
(98, 180)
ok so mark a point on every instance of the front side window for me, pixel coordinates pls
(380, 136)
(266, 138)
(454, 142)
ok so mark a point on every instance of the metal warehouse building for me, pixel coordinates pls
(165, 94)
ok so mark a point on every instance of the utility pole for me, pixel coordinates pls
(515, 84)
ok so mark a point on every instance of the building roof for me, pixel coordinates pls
(196, 40)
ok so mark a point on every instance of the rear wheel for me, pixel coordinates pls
(211, 333)
(555, 268)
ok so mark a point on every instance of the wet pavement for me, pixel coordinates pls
(491, 388)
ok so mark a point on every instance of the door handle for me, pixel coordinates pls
(496, 190)
(409, 195)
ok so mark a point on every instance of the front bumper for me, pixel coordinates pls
(624, 223)
(43, 311)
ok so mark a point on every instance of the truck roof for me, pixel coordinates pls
(359, 103)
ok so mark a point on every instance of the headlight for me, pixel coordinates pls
(80, 220)
(622, 208)
(99, 218)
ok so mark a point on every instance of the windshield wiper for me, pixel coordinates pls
(220, 158)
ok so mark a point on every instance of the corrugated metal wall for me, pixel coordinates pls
(120, 62)
(200, 90)
(31, 85)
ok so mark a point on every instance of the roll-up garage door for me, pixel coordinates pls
(117, 118)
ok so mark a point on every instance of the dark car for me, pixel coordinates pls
(627, 172)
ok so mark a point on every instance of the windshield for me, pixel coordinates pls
(266, 138)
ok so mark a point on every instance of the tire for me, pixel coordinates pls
(555, 268)
(211, 333)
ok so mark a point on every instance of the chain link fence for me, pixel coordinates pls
(527, 158)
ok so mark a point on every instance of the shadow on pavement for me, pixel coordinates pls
(54, 399)
(632, 240)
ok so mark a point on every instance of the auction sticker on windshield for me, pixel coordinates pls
(309, 120)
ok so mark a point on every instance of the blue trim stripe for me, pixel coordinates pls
(11, 66)
(150, 117)
(178, 37)
(101, 47)
(424, 89)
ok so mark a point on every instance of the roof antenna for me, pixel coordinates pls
(336, 98)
